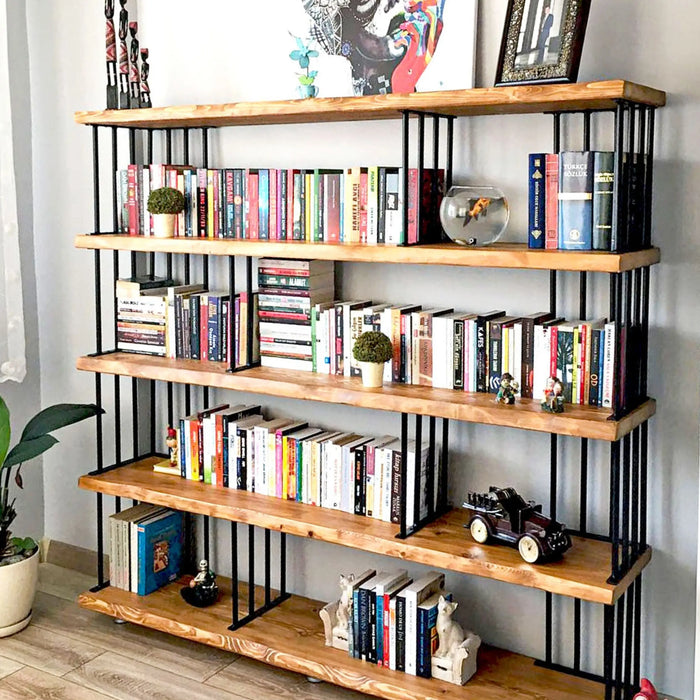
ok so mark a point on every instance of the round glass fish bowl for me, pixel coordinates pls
(474, 215)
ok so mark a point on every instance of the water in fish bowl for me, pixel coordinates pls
(474, 215)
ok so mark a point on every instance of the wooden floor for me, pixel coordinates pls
(76, 654)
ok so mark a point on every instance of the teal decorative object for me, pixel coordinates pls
(303, 55)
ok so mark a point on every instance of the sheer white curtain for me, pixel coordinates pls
(13, 363)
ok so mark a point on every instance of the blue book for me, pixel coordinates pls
(536, 199)
(576, 200)
(427, 642)
(160, 542)
(264, 204)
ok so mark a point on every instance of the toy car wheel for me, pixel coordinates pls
(479, 529)
(529, 549)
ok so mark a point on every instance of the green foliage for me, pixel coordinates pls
(4, 430)
(302, 55)
(373, 346)
(166, 200)
(24, 545)
(28, 449)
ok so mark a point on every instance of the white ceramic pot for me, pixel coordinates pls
(18, 585)
(164, 225)
(372, 374)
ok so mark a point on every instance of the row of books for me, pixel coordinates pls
(571, 201)
(457, 350)
(236, 447)
(394, 620)
(353, 205)
(155, 316)
(146, 544)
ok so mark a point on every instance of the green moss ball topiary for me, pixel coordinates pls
(373, 346)
(166, 200)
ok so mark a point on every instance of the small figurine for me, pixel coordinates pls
(646, 691)
(134, 72)
(553, 401)
(202, 591)
(145, 89)
(123, 57)
(507, 390)
(171, 442)
(455, 658)
(111, 56)
(336, 616)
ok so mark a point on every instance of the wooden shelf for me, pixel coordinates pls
(576, 421)
(291, 637)
(499, 255)
(581, 573)
(479, 101)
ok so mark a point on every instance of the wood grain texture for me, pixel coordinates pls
(498, 255)
(165, 652)
(47, 651)
(479, 101)
(7, 666)
(291, 637)
(126, 679)
(31, 684)
(53, 580)
(577, 421)
(581, 573)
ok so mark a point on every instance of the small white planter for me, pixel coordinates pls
(18, 585)
(164, 225)
(372, 374)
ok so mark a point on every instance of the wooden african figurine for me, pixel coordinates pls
(145, 89)
(134, 76)
(123, 57)
(111, 56)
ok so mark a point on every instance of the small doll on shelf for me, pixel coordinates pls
(202, 590)
(553, 401)
(171, 443)
(507, 389)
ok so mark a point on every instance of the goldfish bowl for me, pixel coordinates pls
(474, 215)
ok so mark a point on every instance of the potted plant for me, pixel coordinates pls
(302, 55)
(372, 349)
(19, 557)
(165, 203)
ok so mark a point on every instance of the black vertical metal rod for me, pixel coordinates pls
(232, 345)
(641, 159)
(267, 567)
(205, 528)
(115, 269)
(147, 221)
(583, 500)
(637, 642)
(421, 166)
(556, 132)
(96, 179)
(205, 258)
(553, 469)
(234, 572)
(577, 635)
(644, 304)
(430, 485)
(617, 319)
(615, 506)
(619, 648)
(406, 134)
(548, 628)
(553, 292)
(450, 152)
(586, 131)
(251, 569)
(283, 563)
(626, 479)
(634, 533)
(643, 486)
(444, 463)
(618, 222)
(152, 389)
(629, 148)
(583, 291)
(250, 318)
(608, 648)
(649, 171)
(417, 467)
(629, 639)
(403, 515)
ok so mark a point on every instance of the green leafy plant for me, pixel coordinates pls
(303, 55)
(373, 346)
(166, 200)
(35, 440)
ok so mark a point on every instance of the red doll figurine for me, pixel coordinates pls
(171, 442)
(646, 692)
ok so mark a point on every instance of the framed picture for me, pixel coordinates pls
(542, 41)
(370, 47)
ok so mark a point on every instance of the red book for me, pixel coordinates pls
(132, 199)
(274, 231)
(229, 201)
(219, 453)
(201, 202)
(554, 343)
(333, 208)
(203, 326)
(551, 206)
(363, 205)
(290, 204)
(253, 214)
(194, 449)
(281, 235)
(386, 628)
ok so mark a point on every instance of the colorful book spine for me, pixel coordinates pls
(536, 201)
(551, 214)
(575, 200)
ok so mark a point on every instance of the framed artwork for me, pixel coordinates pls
(371, 47)
(542, 41)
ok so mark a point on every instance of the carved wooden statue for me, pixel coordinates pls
(123, 57)
(111, 56)
(134, 75)
(145, 89)
(336, 616)
(455, 658)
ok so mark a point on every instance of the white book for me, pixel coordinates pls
(541, 361)
(415, 594)
(609, 364)
(235, 449)
(347, 483)
(385, 327)
(516, 355)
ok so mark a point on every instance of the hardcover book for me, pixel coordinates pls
(576, 200)
(536, 199)
(160, 551)
(603, 183)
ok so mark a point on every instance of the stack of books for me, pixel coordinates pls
(236, 447)
(146, 543)
(288, 291)
(394, 620)
(352, 205)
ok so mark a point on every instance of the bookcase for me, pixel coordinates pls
(270, 624)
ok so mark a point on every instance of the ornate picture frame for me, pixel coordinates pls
(542, 41)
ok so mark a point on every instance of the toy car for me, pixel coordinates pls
(503, 515)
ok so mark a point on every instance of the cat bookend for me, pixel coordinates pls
(336, 616)
(455, 658)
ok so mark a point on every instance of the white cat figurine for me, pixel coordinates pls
(455, 658)
(344, 610)
(450, 632)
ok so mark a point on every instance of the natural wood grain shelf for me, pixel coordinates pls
(499, 255)
(291, 637)
(459, 103)
(581, 573)
(576, 421)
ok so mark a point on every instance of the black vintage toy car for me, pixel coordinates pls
(503, 515)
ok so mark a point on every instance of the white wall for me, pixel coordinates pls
(210, 56)
(23, 399)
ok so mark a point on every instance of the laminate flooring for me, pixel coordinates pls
(75, 654)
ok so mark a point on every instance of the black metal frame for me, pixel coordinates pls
(628, 309)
